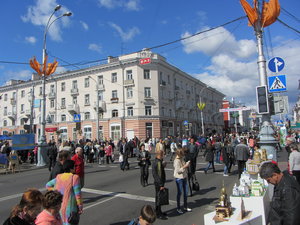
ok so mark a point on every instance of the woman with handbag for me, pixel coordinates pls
(181, 174)
(68, 184)
(144, 163)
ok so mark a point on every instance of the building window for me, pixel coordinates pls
(63, 103)
(5, 111)
(74, 84)
(147, 92)
(5, 123)
(170, 112)
(114, 77)
(115, 132)
(5, 97)
(100, 93)
(129, 75)
(162, 111)
(149, 130)
(63, 86)
(22, 121)
(52, 118)
(114, 94)
(41, 90)
(52, 88)
(147, 74)
(22, 94)
(169, 79)
(64, 133)
(100, 80)
(86, 82)
(129, 111)
(87, 99)
(63, 118)
(87, 116)
(87, 132)
(75, 100)
(115, 113)
(22, 108)
(129, 92)
(52, 103)
(148, 110)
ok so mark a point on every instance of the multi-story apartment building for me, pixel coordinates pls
(135, 99)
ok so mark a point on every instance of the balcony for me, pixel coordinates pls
(74, 91)
(129, 82)
(13, 101)
(73, 108)
(12, 115)
(101, 87)
(177, 88)
(162, 83)
(102, 106)
(28, 112)
(114, 100)
(51, 95)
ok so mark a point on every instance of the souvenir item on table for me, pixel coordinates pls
(256, 157)
(257, 188)
(264, 155)
(235, 191)
(223, 208)
(245, 178)
(244, 189)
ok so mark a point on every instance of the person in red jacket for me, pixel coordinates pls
(79, 164)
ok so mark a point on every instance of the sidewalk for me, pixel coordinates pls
(23, 167)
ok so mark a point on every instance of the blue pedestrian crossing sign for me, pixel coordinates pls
(77, 118)
(185, 123)
(276, 64)
(277, 83)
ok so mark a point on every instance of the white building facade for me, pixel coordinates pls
(154, 99)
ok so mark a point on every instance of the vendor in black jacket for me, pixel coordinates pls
(285, 205)
(159, 175)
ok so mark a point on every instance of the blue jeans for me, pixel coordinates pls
(218, 154)
(211, 163)
(182, 186)
(225, 169)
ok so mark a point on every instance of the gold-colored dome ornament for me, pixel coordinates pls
(264, 155)
(256, 157)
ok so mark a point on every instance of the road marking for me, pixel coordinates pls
(98, 203)
(122, 195)
(16, 195)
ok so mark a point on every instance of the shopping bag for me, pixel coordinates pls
(196, 186)
(121, 158)
(163, 197)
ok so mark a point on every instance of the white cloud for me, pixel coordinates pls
(233, 66)
(84, 25)
(31, 40)
(130, 5)
(95, 47)
(40, 13)
(125, 36)
(19, 75)
(218, 41)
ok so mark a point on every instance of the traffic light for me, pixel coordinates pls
(262, 100)
(271, 104)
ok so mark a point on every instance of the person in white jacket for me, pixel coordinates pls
(294, 160)
(180, 174)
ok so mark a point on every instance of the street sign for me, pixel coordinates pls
(185, 123)
(145, 61)
(77, 118)
(234, 109)
(276, 64)
(277, 83)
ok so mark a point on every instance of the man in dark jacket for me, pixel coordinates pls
(58, 168)
(242, 153)
(193, 151)
(52, 154)
(124, 151)
(159, 175)
(285, 205)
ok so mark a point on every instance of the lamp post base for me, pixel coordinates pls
(42, 152)
(267, 140)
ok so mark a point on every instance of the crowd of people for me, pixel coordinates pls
(62, 203)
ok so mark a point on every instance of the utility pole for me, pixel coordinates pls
(31, 108)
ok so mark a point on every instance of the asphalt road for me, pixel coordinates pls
(114, 197)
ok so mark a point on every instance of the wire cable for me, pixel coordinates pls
(290, 14)
(288, 26)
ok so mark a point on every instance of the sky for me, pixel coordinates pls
(225, 58)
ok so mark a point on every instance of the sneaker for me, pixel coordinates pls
(179, 211)
(225, 175)
(188, 209)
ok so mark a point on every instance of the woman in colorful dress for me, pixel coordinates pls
(68, 184)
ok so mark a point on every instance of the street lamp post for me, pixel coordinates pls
(201, 114)
(97, 108)
(42, 139)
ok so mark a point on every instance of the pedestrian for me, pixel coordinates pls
(193, 151)
(27, 210)
(218, 148)
(209, 156)
(52, 154)
(108, 152)
(294, 161)
(58, 167)
(242, 154)
(101, 154)
(144, 163)
(285, 205)
(124, 151)
(52, 204)
(68, 184)
(228, 157)
(13, 159)
(159, 175)
(79, 164)
(173, 147)
(147, 216)
(160, 146)
(181, 175)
